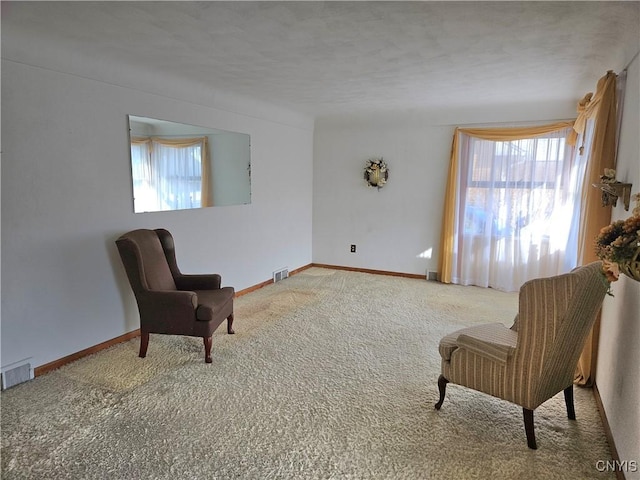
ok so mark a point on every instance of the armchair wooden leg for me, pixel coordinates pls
(144, 343)
(528, 428)
(568, 400)
(230, 324)
(208, 341)
(442, 387)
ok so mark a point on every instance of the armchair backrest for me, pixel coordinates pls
(145, 261)
(169, 248)
(555, 317)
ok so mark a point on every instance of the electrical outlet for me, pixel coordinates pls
(353, 248)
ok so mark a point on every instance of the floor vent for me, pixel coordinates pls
(280, 274)
(16, 373)
(432, 276)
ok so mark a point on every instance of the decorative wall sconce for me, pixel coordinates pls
(376, 173)
(612, 189)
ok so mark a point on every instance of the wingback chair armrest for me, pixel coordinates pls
(498, 350)
(492, 340)
(167, 304)
(198, 282)
(176, 297)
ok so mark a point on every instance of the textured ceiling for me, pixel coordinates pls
(326, 58)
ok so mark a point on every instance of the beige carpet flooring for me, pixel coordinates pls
(331, 375)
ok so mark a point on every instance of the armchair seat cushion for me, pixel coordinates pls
(493, 340)
(214, 304)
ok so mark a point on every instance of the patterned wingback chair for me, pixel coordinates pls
(169, 301)
(536, 358)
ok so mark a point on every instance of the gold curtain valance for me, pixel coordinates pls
(140, 140)
(589, 105)
(507, 134)
(170, 142)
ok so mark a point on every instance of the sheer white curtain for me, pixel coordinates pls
(167, 174)
(517, 213)
(177, 175)
(143, 192)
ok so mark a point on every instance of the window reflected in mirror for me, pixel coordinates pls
(176, 166)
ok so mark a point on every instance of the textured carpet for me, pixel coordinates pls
(331, 375)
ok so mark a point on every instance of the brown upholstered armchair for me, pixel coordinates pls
(536, 358)
(170, 302)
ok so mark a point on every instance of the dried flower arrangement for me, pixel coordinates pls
(618, 246)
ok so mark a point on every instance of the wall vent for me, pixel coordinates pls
(16, 373)
(280, 274)
(432, 276)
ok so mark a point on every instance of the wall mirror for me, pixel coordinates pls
(176, 166)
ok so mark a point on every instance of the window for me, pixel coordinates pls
(516, 211)
(513, 184)
(167, 175)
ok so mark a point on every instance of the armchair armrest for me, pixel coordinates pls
(171, 297)
(498, 350)
(491, 340)
(166, 306)
(198, 282)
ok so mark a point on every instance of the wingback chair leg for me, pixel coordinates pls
(528, 428)
(144, 343)
(442, 387)
(568, 400)
(230, 324)
(208, 341)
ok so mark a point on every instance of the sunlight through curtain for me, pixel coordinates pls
(170, 174)
(512, 206)
(143, 192)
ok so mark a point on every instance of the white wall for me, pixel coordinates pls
(66, 196)
(390, 227)
(618, 369)
(396, 228)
